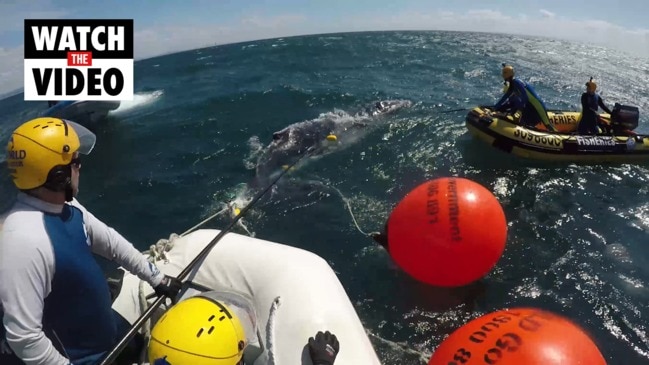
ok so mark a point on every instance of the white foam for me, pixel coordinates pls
(139, 100)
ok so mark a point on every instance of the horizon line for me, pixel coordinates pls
(17, 91)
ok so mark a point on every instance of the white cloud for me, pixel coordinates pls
(166, 39)
(485, 14)
(274, 22)
(13, 14)
(11, 69)
(547, 13)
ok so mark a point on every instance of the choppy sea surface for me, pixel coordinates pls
(189, 140)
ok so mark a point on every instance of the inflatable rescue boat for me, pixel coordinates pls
(618, 144)
(81, 111)
(294, 294)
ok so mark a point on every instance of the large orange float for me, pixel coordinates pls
(520, 336)
(447, 232)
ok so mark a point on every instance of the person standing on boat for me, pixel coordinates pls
(590, 102)
(212, 329)
(522, 96)
(55, 298)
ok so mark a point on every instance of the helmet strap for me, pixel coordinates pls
(59, 179)
(69, 193)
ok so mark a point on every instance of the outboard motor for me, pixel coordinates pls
(624, 118)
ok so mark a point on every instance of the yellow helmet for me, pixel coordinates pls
(198, 331)
(40, 148)
(508, 71)
(591, 86)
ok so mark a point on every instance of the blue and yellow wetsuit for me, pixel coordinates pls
(521, 96)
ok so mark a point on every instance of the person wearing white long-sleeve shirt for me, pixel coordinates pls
(55, 300)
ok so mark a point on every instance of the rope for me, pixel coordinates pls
(240, 223)
(270, 331)
(157, 252)
(423, 357)
(349, 207)
(204, 221)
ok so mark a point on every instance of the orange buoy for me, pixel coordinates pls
(518, 336)
(447, 232)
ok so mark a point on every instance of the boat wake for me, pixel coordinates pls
(139, 100)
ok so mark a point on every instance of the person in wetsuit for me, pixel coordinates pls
(56, 302)
(590, 102)
(522, 96)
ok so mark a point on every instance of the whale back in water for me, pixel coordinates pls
(293, 141)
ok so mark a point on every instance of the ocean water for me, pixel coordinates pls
(190, 139)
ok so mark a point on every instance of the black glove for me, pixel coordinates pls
(324, 348)
(169, 287)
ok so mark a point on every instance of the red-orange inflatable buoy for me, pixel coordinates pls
(447, 232)
(518, 336)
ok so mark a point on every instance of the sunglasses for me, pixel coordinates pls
(76, 162)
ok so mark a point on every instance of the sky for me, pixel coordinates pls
(168, 26)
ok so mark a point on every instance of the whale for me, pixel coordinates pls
(328, 133)
(300, 142)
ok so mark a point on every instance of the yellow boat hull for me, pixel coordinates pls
(505, 134)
